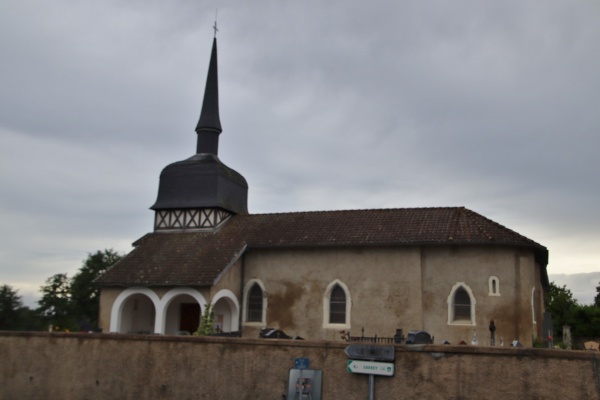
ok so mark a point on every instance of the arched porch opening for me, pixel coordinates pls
(137, 315)
(182, 316)
(227, 312)
(181, 311)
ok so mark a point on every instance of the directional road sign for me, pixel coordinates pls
(370, 367)
(370, 352)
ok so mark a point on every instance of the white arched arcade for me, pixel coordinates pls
(140, 310)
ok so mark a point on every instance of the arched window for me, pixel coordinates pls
(494, 286)
(337, 305)
(461, 305)
(255, 304)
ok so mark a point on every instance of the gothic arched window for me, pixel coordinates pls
(255, 304)
(337, 305)
(462, 305)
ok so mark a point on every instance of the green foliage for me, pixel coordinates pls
(55, 306)
(85, 295)
(207, 322)
(70, 302)
(597, 298)
(10, 304)
(30, 320)
(584, 321)
(560, 302)
(13, 315)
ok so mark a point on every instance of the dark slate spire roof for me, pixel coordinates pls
(209, 125)
(203, 181)
(199, 259)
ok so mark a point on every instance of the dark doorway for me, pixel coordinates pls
(190, 317)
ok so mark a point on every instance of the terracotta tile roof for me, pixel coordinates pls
(198, 258)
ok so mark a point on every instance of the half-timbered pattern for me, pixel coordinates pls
(194, 219)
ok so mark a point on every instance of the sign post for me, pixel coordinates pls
(366, 359)
(304, 383)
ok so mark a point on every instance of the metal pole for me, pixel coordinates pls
(300, 387)
(371, 387)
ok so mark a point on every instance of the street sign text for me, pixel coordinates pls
(370, 367)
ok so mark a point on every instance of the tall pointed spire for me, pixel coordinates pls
(209, 125)
(201, 192)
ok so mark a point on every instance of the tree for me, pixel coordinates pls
(560, 302)
(55, 304)
(73, 303)
(14, 316)
(30, 320)
(597, 298)
(585, 321)
(10, 306)
(207, 322)
(85, 294)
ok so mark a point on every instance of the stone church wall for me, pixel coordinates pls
(381, 282)
(389, 288)
(111, 366)
(402, 287)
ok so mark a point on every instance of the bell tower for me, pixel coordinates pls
(201, 193)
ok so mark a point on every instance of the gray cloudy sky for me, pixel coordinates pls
(491, 105)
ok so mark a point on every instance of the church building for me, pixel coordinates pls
(448, 270)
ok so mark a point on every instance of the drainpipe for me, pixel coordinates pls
(242, 305)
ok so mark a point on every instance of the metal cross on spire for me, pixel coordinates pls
(215, 25)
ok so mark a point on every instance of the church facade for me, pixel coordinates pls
(318, 275)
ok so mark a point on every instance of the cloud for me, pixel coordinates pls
(324, 106)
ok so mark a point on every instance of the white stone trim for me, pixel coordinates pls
(161, 311)
(450, 301)
(533, 303)
(247, 287)
(326, 298)
(161, 305)
(117, 307)
(494, 290)
(233, 303)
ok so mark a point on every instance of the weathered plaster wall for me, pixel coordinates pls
(229, 279)
(107, 298)
(444, 267)
(392, 288)
(83, 366)
(384, 286)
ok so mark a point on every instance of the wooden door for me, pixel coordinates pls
(190, 317)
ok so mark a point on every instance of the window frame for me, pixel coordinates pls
(494, 286)
(327, 324)
(452, 320)
(250, 285)
(533, 305)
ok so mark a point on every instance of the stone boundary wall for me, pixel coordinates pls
(35, 365)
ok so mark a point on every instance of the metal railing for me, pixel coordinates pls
(370, 339)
